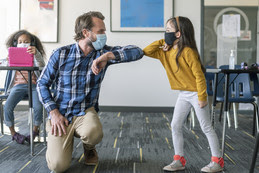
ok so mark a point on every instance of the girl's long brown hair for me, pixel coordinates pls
(187, 39)
(12, 40)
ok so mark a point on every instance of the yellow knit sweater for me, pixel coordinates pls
(189, 76)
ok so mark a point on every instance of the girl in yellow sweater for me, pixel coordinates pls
(179, 55)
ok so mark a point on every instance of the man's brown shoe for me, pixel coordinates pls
(91, 157)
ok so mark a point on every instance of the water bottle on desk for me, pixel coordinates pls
(3, 62)
(232, 60)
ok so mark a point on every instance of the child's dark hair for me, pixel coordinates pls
(35, 41)
(187, 39)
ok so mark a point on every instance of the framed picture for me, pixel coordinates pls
(140, 15)
(40, 17)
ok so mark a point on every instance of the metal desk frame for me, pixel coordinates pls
(227, 73)
(29, 69)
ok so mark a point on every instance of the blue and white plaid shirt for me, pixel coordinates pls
(77, 87)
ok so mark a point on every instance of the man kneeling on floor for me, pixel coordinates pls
(77, 71)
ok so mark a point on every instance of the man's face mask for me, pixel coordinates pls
(100, 41)
(170, 38)
(23, 44)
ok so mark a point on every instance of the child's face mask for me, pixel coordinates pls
(23, 45)
(170, 38)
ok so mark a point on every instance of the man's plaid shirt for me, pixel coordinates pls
(77, 87)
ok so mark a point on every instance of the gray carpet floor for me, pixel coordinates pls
(138, 142)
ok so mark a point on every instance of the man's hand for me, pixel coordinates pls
(100, 63)
(58, 123)
(202, 104)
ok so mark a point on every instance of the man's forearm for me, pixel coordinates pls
(108, 56)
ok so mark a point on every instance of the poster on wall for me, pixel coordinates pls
(136, 15)
(231, 25)
(40, 17)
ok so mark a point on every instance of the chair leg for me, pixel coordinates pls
(192, 117)
(29, 119)
(235, 115)
(255, 119)
(39, 135)
(221, 110)
(228, 118)
(254, 154)
(228, 115)
(2, 117)
(44, 126)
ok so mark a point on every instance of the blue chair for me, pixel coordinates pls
(209, 81)
(255, 84)
(255, 92)
(239, 92)
(234, 105)
(254, 87)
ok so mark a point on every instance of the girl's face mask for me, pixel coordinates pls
(170, 38)
(23, 44)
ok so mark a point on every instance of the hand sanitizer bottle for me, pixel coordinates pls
(232, 60)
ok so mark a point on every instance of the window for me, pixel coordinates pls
(216, 49)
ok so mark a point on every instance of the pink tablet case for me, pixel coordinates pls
(18, 56)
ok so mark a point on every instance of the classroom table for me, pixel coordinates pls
(227, 73)
(29, 69)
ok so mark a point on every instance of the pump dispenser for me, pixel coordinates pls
(232, 60)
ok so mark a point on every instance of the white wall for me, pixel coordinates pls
(231, 3)
(141, 83)
(9, 23)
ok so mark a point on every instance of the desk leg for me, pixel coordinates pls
(31, 111)
(254, 154)
(44, 126)
(214, 100)
(2, 117)
(225, 112)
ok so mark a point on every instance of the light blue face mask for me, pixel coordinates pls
(23, 44)
(100, 41)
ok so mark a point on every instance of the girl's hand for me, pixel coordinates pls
(166, 47)
(202, 104)
(31, 50)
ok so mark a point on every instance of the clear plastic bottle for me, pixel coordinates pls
(232, 60)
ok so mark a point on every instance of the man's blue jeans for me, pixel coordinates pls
(17, 93)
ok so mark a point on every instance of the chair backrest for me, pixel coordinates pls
(239, 87)
(253, 80)
(7, 81)
(220, 87)
(254, 84)
(227, 67)
(209, 81)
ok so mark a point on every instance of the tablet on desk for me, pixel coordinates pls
(19, 57)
